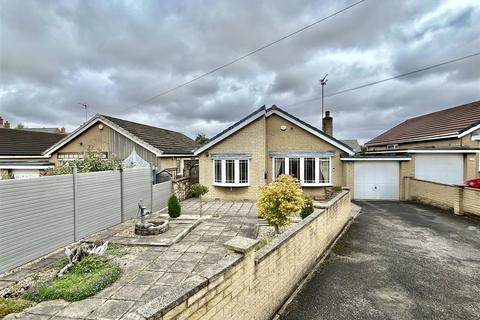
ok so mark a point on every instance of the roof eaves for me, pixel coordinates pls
(230, 130)
(339, 144)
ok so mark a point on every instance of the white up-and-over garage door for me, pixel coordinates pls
(443, 168)
(376, 180)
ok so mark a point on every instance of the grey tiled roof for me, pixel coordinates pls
(15, 142)
(167, 141)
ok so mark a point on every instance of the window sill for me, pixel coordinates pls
(229, 185)
(316, 184)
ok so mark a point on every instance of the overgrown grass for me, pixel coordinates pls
(8, 306)
(116, 250)
(57, 264)
(261, 243)
(86, 278)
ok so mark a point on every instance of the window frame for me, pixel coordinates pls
(302, 182)
(236, 173)
(392, 146)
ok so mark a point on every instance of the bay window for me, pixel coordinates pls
(314, 170)
(231, 172)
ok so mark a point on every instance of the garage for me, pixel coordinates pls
(443, 168)
(376, 180)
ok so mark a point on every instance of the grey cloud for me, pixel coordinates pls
(115, 54)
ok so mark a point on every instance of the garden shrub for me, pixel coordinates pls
(278, 200)
(174, 208)
(308, 206)
(86, 278)
(92, 161)
(337, 189)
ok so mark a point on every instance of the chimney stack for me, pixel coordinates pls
(327, 124)
(61, 130)
(1, 122)
(6, 125)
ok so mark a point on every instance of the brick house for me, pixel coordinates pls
(265, 144)
(441, 147)
(114, 137)
(21, 152)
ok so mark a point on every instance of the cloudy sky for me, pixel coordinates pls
(113, 55)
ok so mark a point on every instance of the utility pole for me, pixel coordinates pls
(323, 82)
(86, 112)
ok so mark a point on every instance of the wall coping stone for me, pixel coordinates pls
(177, 295)
(240, 244)
(283, 238)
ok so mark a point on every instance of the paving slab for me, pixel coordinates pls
(112, 310)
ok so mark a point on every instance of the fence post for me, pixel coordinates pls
(122, 210)
(151, 188)
(75, 204)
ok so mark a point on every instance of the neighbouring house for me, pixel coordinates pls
(117, 138)
(49, 130)
(21, 153)
(265, 144)
(441, 147)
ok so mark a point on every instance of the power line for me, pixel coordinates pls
(248, 54)
(387, 79)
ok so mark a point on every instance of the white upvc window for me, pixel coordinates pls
(231, 172)
(308, 171)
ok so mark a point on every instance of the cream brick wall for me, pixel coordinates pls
(257, 286)
(93, 138)
(260, 138)
(250, 139)
(460, 199)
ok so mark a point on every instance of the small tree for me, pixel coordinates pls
(280, 199)
(201, 138)
(198, 190)
(174, 208)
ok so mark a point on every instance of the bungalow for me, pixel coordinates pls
(21, 152)
(265, 144)
(113, 137)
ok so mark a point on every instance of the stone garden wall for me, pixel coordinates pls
(249, 284)
(181, 188)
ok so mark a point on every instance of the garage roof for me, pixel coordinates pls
(453, 122)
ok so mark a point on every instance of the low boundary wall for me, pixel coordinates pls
(249, 284)
(460, 199)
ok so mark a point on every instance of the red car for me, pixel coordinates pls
(474, 183)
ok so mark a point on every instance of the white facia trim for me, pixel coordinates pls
(106, 122)
(425, 151)
(25, 167)
(24, 157)
(469, 130)
(310, 130)
(376, 159)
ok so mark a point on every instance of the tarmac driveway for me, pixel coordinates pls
(398, 261)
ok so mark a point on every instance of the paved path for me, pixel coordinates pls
(398, 261)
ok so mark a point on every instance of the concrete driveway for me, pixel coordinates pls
(398, 261)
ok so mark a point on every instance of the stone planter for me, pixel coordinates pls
(151, 228)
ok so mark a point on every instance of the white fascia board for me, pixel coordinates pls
(185, 155)
(436, 137)
(24, 157)
(106, 122)
(228, 133)
(25, 167)
(444, 151)
(314, 132)
(469, 130)
(376, 159)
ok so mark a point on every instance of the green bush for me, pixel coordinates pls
(174, 208)
(86, 278)
(337, 189)
(92, 161)
(308, 206)
(198, 190)
(8, 306)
